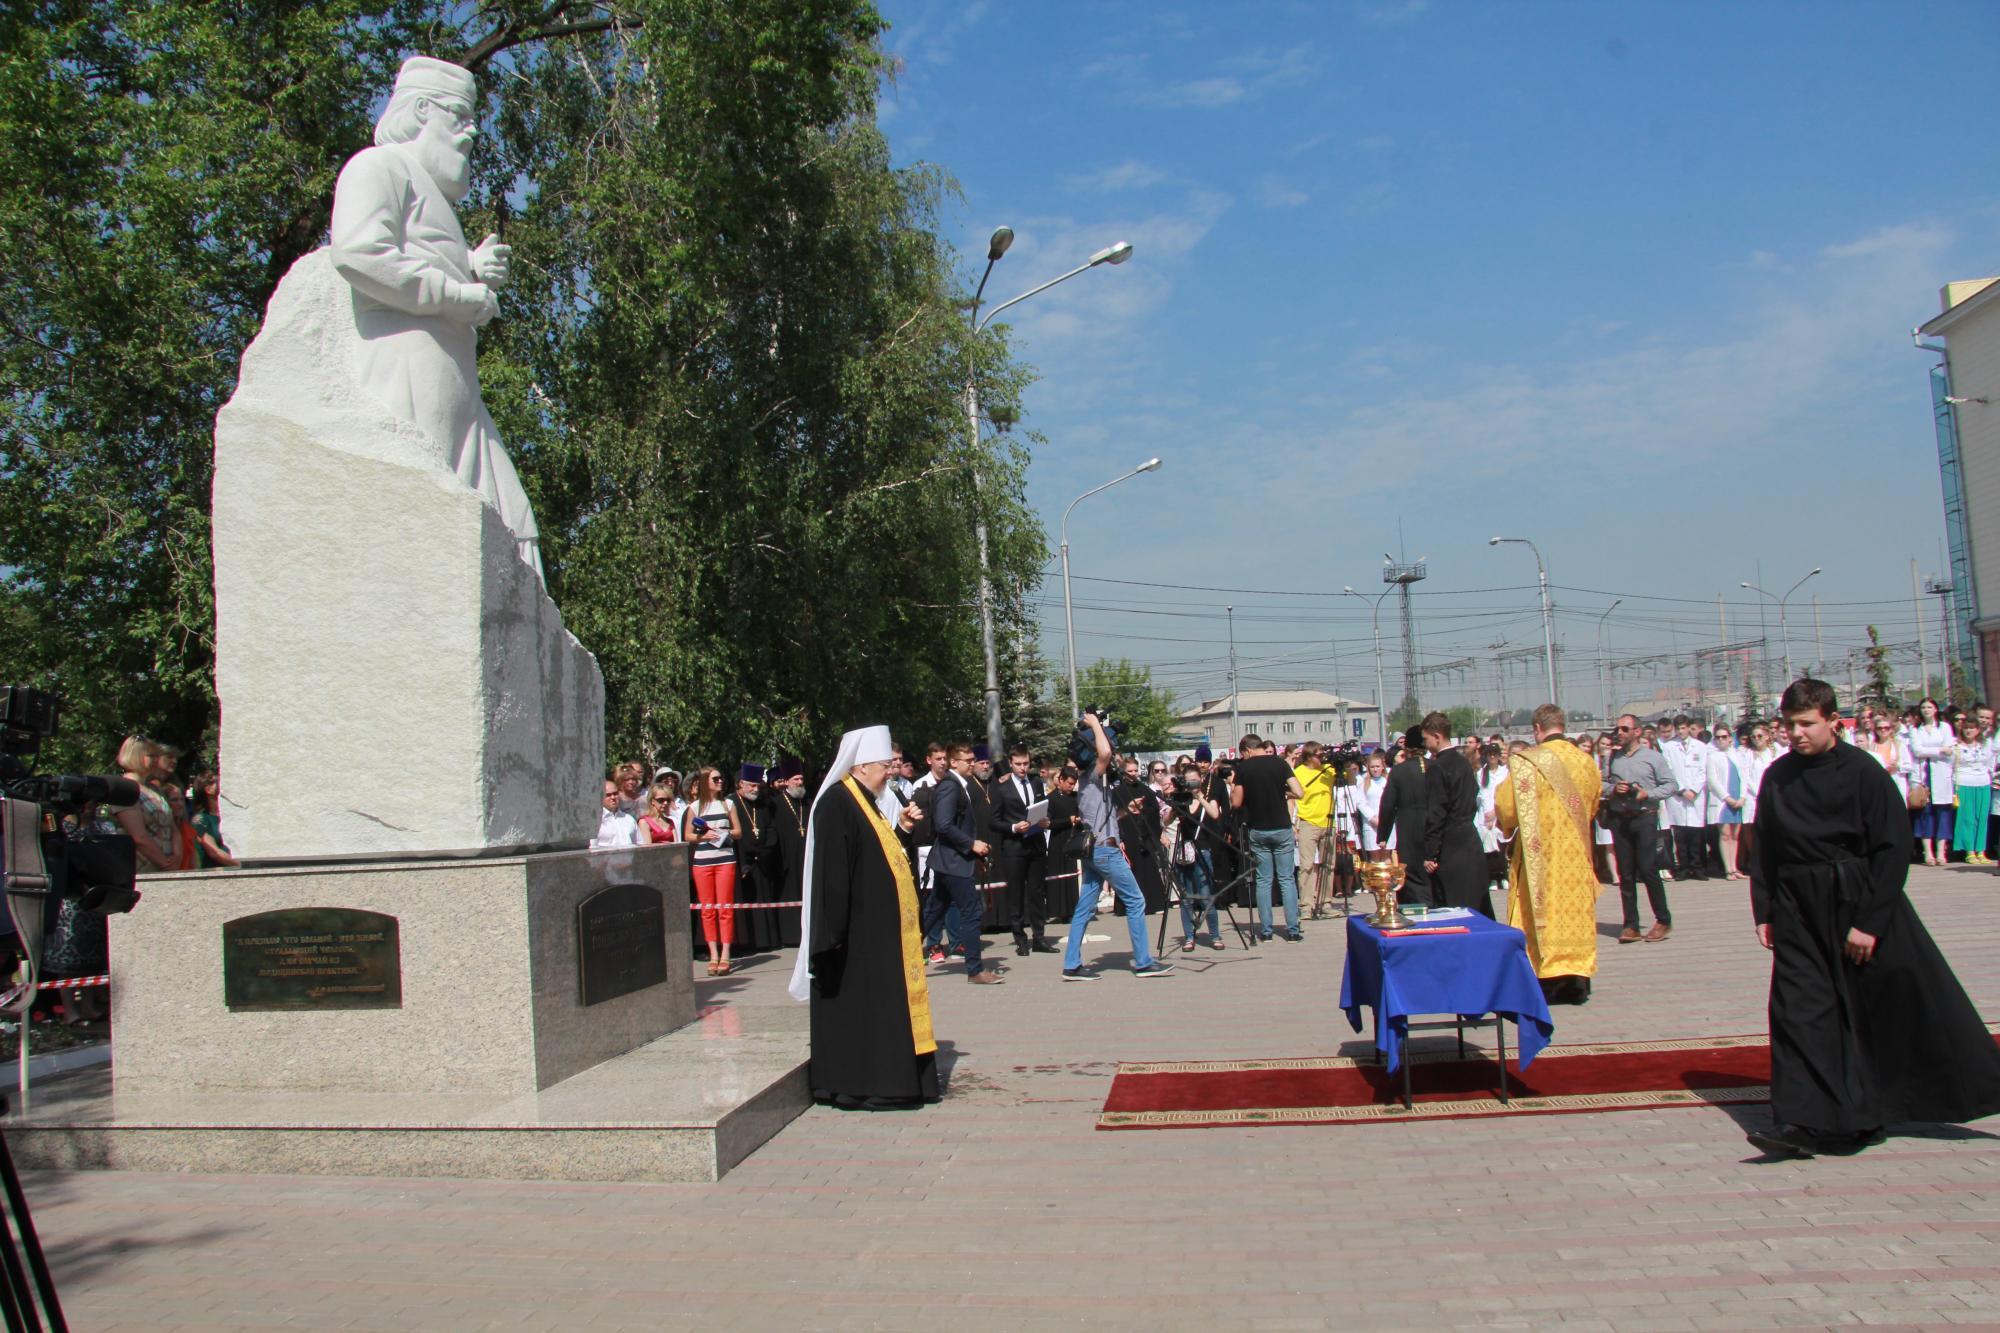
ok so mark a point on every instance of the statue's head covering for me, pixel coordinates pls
(422, 76)
(865, 745)
(420, 79)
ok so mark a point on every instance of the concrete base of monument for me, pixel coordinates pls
(529, 1017)
(685, 1107)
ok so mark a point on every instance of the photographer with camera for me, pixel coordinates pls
(1091, 748)
(1195, 819)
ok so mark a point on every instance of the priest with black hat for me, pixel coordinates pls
(785, 839)
(1406, 809)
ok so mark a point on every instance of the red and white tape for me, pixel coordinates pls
(765, 907)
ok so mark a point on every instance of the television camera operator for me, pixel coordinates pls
(66, 859)
(1091, 747)
(1197, 822)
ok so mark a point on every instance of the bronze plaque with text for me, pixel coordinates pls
(312, 958)
(621, 942)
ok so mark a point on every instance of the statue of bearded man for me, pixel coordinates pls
(420, 294)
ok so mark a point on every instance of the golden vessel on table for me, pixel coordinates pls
(1384, 879)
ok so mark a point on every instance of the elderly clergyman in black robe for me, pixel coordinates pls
(861, 966)
(1869, 1027)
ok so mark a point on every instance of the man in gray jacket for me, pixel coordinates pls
(1638, 780)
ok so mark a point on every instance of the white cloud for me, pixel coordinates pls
(1275, 191)
(1130, 175)
(1239, 78)
(1794, 352)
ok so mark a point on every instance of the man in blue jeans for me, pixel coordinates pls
(1263, 792)
(1105, 861)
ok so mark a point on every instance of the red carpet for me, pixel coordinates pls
(1619, 1076)
(1611, 1076)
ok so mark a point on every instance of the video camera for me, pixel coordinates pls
(52, 851)
(1083, 743)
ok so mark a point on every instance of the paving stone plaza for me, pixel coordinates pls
(1004, 1206)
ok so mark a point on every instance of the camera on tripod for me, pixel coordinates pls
(53, 850)
(1083, 745)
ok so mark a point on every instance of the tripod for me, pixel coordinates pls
(1223, 899)
(21, 1258)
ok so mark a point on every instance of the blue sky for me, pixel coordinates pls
(1634, 281)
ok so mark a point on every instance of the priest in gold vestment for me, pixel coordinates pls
(1547, 804)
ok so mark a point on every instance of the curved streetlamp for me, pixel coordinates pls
(1548, 616)
(1069, 620)
(1784, 631)
(1603, 687)
(1375, 619)
(997, 246)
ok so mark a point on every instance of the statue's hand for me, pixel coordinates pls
(478, 306)
(491, 260)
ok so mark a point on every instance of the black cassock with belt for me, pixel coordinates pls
(1451, 838)
(1405, 809)
(1855, 1046)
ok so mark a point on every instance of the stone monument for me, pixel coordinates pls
(394, 678)
(419, 969)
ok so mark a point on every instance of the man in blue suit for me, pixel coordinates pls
(958, 844)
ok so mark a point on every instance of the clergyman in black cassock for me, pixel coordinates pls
(1855, 1045)
(785, 836)
(862, 970)
(1404, 809)
(1451, 839)
(756, 880)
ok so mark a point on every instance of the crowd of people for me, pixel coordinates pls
(1280, 831)
(1868, 1025)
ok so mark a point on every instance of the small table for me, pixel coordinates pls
(1483, 971)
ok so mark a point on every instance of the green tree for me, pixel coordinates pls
(1881, 683)
(1143, 712)
(729, 366)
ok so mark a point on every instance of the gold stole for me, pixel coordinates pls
(918, 989)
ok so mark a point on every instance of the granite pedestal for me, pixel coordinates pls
(489, 1064)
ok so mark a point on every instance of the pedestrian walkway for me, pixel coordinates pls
(1004, 1207)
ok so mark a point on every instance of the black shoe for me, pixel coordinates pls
(1785, 1141)
(1021, 948)
(1846, 1145)
(1154, 969)
(1295, 936)
(1078, 974)
(1266, 937)
(1043, 946)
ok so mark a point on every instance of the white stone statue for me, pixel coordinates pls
(393, 677)
(419, 293)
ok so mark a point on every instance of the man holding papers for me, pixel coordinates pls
(1019, 829)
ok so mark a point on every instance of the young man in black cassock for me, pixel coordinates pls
(862, 969)
(1452, 857)
(1869, 1027)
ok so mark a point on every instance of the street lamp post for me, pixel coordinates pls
(1784, 631)
(1069, 619)
(1375, 621)
(1548, 614)
(1002, 238)
(1603, 683)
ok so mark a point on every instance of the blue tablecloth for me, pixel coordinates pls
(1483, 972)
